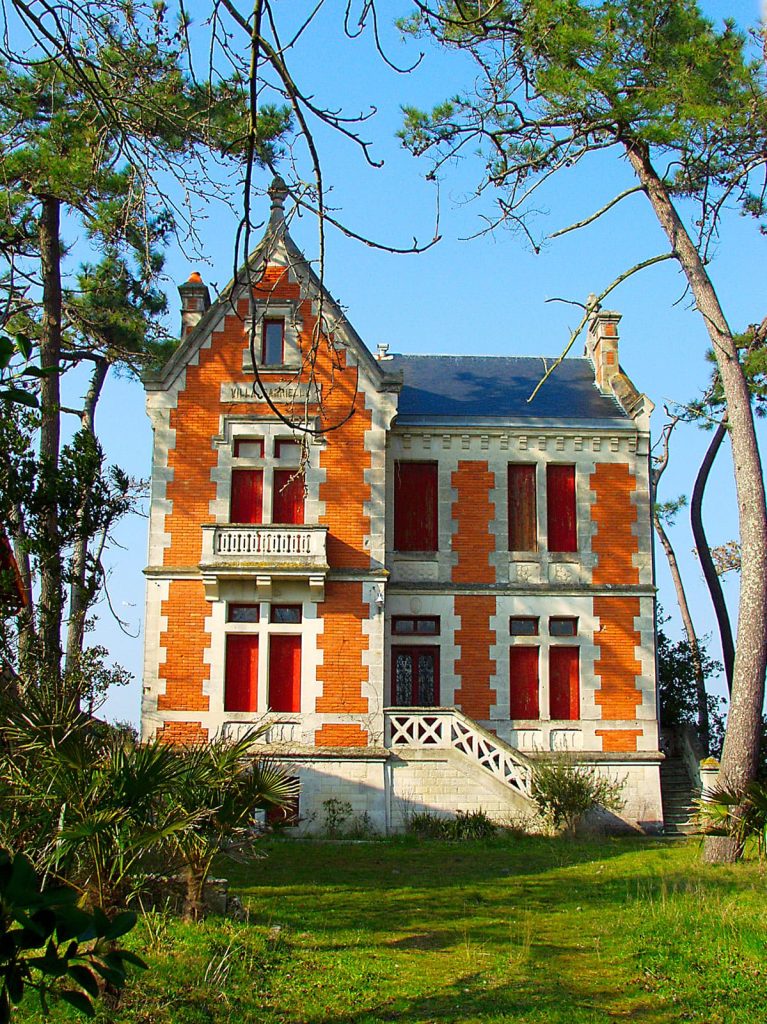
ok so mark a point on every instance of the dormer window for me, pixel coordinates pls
(273, 343)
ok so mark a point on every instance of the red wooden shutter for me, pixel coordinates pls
(285, 673)
(247, 496)
(523, 526)
(523, 682)
(560, 508)
(288, 497)
(241, 675)
(564, 683)
(415, 506)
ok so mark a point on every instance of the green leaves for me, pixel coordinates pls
(77, 946)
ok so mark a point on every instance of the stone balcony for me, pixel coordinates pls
(264, 552)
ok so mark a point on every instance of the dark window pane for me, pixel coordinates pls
(244, 613)
(403, 627)
(523, 626)
(403, 679)
(425, 625)
(285, 613)
(523, 528)
(272, 350)
(426, 680)
(563, 626)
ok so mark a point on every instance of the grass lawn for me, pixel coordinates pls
(517, 930)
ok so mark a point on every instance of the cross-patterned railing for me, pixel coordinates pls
(434, 728)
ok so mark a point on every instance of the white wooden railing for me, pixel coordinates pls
(435, 728)
(266, 545)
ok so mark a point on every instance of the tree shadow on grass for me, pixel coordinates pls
(545, 997)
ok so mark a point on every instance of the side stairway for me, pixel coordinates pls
(445, 761)
(678, 795)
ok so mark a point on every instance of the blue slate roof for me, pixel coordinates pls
(497, 388)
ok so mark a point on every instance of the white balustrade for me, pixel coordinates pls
(434, 728)
(267, 545)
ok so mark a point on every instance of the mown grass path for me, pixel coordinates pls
(510, 930)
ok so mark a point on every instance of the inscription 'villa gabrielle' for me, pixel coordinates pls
(288, 392)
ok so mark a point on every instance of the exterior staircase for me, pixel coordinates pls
(448, 728)
(678, 795)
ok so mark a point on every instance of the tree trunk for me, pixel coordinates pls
(704, 552)
(51, 603)
(194, 877)
(81, 593)
(692, 639)
(741, 746)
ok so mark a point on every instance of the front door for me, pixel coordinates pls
(415, 677)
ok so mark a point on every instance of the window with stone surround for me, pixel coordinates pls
(416, 520)
(415, 676)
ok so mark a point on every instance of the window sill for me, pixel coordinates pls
(416, 556)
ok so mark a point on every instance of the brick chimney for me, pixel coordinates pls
(195, 300)
(602, 343)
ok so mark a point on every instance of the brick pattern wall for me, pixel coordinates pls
(338, 735)
(342, 642)
(186, 734)
(474, 542)
(615, 541)
(195, 420)
(344, 491)
(618, 741)
(473, 513)
(345, 460)
(185, 641)
(475, 667)
(617, 665)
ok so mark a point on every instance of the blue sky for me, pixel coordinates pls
(484, 295)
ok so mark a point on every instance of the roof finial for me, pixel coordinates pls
(278, 192)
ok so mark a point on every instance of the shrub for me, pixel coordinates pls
(337, 813)
(739, 815)
(564, 792)
(465, 825)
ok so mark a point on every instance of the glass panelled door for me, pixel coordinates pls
(415, 677)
